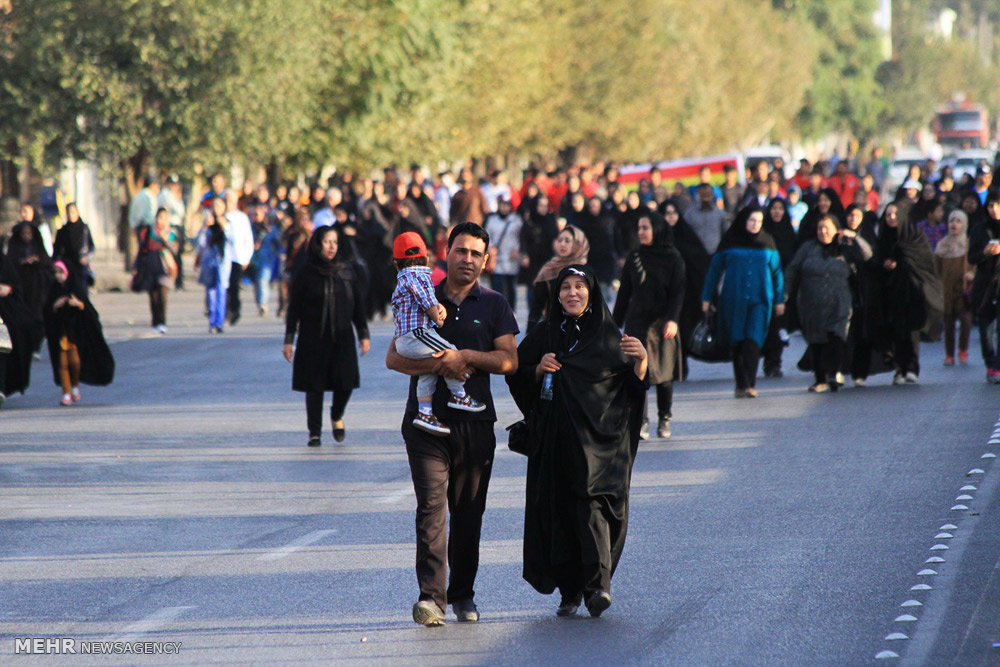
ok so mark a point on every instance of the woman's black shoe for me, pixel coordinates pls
(313, 441)
(569, 605)
(339, 433)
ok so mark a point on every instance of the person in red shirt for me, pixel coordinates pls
(872, 197)
(801, 177)
(844, 183)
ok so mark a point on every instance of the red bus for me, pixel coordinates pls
(962, 124)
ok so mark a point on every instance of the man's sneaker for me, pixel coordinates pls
(426, 612)
(963, 357)
(663, 430)
(430, 423)
(644, 430)
(465, 610)
(598, 603)
(466, 403)
(911, 378)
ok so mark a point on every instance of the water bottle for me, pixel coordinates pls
(546, 394)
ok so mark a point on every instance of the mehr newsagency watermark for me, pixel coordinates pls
(71, 646)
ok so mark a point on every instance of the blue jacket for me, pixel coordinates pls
(751, 283)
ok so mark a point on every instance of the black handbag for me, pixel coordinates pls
(704, 343)
(518, 437)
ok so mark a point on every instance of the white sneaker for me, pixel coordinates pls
(161, 329)
(899, 379)
(910, 378)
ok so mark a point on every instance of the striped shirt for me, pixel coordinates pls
(413, 296)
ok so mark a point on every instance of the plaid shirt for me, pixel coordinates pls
(413, 295)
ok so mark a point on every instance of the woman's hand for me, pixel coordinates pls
(5, 290)
(59, 303)
(364, 345)
(74, 302)
(889, 264)
(848, 233)
(670, 329)
(632, 347)
(548, 364)
(779, 309)
(705, 305)
(287, 351)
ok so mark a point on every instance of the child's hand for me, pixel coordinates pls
(437, 313)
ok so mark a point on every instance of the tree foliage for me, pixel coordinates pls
(364, 82)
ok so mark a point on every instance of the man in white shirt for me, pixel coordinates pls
(241, 237)
(504, 228)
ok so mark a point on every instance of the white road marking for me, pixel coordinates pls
(882, 655)
(397, 495)
(296, 544)
(906, 618)
(896, 635)
(920, 587)
(154, 621)
(912, 603)
(948, 526)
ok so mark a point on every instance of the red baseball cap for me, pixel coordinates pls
(408, 244)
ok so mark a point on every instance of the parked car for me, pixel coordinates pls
(967, 161)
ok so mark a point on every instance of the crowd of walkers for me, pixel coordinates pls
(621, 288)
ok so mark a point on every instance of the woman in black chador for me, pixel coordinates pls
(325, 307)
(581, 386)
(77, 349)
(649, 308)
(27, 253)
(15, 365)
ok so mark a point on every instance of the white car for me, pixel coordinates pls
(900, 167)
(967, 161)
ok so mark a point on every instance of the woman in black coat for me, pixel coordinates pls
(25, 334)
(325, 308)
(696, 261)
(26, 251)
(73, 246)
(648, 307)
(581, 386)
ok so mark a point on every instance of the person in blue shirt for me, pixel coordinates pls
(745, 285)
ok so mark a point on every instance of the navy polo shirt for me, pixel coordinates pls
(482, 317)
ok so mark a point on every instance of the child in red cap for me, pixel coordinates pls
(416, 310)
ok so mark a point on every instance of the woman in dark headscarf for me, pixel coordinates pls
(25, 334)
(570, 247)
(537, 235)
(778, 224)
(748, 266)
(818, 278)
(696, 261)
(74, 245)
(26, 252)
(599, 230)
(325, 308)
(866, 302)
(648, 307)
(984, 254)
(827, 202)
(911, 292)
(77, 349)
(581, 386)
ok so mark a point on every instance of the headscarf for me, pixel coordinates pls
(328, 270)
(578, 255)
(951, 245)
(781, 231)
(18, 250)
(915, 296)
(737, 235)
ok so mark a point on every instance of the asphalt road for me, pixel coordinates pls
(180, 504)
